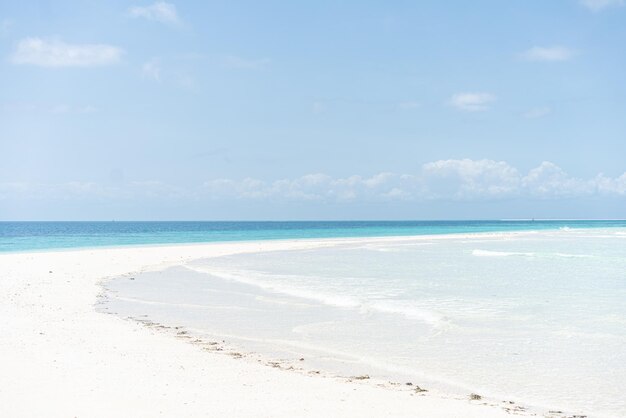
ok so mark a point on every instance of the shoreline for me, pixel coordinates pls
(319, 238)
(375, 238)
(221, 347)
(78, 359)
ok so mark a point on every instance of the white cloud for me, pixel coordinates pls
(159, 11)
(240, 63)
(597, 5)
(551, 53)
(56, 53)
(608, 185)
(439, 180)
(378, 180)
(472, 102)
(550, 180)
(465, 179)
(152, 69)
(445, 179)
(312, 187)
(538, 112)
(468, 178)
(396, 194)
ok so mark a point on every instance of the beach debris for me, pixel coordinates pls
(515, 409)
(409, 384)
(301, 359)
(475, 397)
(419, 389)
(362, 377)
(50, 271)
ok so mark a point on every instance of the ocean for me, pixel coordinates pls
(536, 317)
(30, 236)
(525, 311)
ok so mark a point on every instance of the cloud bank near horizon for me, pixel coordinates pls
(456, 180)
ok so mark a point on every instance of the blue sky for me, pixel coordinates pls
(318, 110)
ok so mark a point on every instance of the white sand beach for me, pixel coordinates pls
(59, 357)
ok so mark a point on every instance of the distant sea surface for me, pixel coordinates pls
(36, 236)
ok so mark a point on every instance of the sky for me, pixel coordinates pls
(227, 110)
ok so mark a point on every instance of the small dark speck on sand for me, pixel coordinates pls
(50, 271)
(419, 389)
(362, 377)
(475, 397)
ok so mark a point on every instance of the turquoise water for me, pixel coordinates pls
(29, 236)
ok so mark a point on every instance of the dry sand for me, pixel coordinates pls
(59, 357)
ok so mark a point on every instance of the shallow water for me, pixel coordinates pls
(29, 236)
(537, 318)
